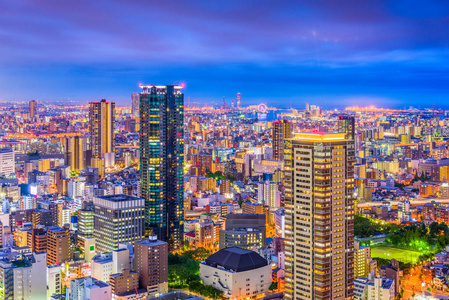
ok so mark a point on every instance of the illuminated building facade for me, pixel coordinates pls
(117, 219)
(58, 245)
(76, 153)
(282, 129)
(135, 109)
(239, 100)
(319, 217)
(101, 127)
(346, 125)
(161, 161)
(33, 108)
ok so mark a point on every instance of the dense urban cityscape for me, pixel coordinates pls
(224, 150)
(156, 199)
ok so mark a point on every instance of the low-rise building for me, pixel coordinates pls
(124, 282)
(374, 288)
(245, 238)
(239, 273)
(89, 288)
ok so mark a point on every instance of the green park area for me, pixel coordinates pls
(405, 256)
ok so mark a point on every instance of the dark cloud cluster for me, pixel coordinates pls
(274, 51)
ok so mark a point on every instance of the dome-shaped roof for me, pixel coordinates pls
(236, 259)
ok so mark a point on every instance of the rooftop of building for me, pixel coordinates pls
(152, 241)
(253, 203)
(319, 137)
(55, 228)
(118, 197)
(280, 212)
(361, 280)
(140, 291)
(236, 259)
(243, 230)
(121, 273)
(97, 284)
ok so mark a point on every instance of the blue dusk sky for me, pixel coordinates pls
(331, 53)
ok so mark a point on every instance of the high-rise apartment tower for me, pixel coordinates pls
(281, 130)
(161, 161)
(319, 217)
(75, 153)
(33, 108)
(135, 109)
(101, 127)
(238, 99)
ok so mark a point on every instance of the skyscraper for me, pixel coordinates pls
(75, 153)
(346, 125)
(101, 127)
(282, 129)
(135, 109)
(161, 161)
(238, 98)
(319, 217)
(33, 108)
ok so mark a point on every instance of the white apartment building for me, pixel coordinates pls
(7, 166)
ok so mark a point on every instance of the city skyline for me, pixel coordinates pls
(384, 54)
(283, 150)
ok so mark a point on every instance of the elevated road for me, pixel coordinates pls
(413, 202)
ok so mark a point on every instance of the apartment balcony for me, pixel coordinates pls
(326, 222)
(319, 295)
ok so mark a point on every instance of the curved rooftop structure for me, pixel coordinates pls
(236, 259)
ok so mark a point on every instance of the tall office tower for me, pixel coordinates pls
(161, 161)
(151, 262)
(33, 108)
(281, 130)
(238, 98)
(307, 106)
(135, 107)
(58, 245)
(101, 127)
(75, 153)
(346, 125)
(117, 219)
(319, 217)
(7, 163)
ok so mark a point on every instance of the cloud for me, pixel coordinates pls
(309, 48)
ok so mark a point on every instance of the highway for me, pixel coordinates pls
(413, 202)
